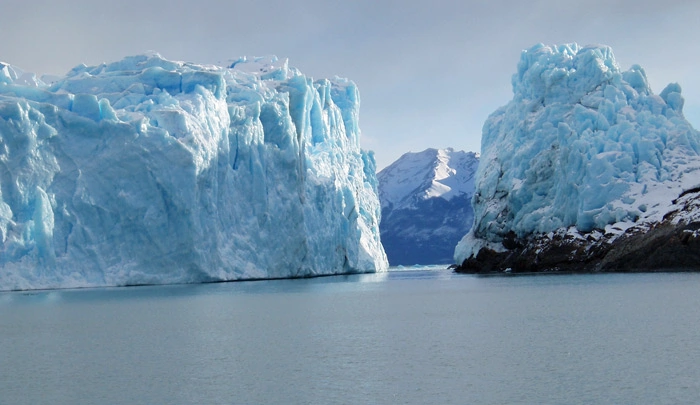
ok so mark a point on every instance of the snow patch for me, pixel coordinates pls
(443, 173)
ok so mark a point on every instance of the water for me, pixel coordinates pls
(414, 337)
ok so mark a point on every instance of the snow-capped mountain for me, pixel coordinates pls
(151, 171)
(426, 205)
(584, 163)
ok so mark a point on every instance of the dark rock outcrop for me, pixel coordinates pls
(673, 244)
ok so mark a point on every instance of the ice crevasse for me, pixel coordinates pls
(582, 145)
(150, 171)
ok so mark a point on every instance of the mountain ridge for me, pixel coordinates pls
(426, 205)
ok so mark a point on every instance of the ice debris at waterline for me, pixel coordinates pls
(583, 147)
(154, 171)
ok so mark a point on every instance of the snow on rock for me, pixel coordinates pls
(581, 145)
(426, 208)
(147, 171)
(443, 173)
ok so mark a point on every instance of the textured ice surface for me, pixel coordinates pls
(153, 171)
(581, 144)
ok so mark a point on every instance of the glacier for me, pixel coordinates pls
(151, 171)
(426, 205)
(582, 148)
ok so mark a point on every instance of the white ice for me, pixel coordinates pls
(147, 170)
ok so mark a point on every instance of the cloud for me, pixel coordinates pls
(429, 71)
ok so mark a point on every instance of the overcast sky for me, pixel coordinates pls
(429, 71)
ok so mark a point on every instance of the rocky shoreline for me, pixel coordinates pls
(672, 244)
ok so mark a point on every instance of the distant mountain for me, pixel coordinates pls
(426, 205)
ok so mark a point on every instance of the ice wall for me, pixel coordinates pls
(581, 144)
(153, 171)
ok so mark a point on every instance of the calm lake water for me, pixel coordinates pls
(414, 337)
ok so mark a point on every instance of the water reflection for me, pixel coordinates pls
(407, 336)
(334, 283)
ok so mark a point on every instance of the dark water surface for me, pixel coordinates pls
(416, 337)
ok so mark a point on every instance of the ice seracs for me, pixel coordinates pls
(148, 170)
(426, 207)
(582, 145)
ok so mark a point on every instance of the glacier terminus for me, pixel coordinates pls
(585, 169)
(151, 171)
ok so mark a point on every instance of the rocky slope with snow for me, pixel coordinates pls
(584, 170)
(150, 171)
(426, 205)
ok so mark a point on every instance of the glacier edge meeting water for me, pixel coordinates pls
(583, 146)
(150, 171)
(397, 337)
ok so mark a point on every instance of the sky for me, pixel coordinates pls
(429, 71)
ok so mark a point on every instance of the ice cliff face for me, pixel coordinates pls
(153, 171)
(426, 205)
(582, 145)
